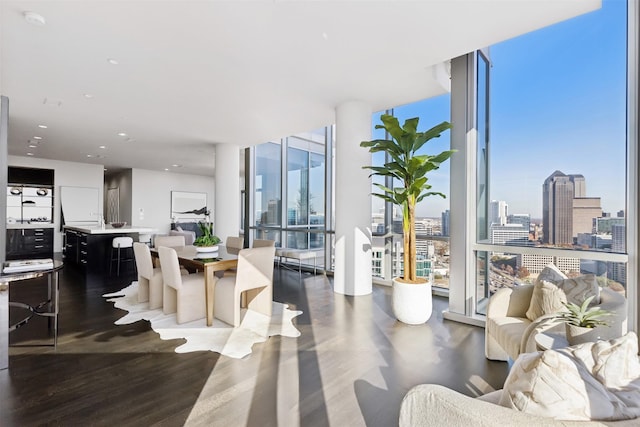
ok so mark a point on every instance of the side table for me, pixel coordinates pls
(48, 308)
(551, 340)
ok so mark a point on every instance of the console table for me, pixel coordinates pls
(48, 308)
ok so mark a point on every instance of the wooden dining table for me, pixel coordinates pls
(209, 263)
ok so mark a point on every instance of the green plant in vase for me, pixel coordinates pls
(582, 321)
(207, 238)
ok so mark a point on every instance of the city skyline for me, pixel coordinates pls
(558, 102)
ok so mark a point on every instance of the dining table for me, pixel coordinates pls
(209, 263)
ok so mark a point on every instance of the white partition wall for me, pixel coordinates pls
(352, 200)
(226, 211)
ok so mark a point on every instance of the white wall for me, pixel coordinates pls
(151, 196)
(65, 174)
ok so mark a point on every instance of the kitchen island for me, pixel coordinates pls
(89, 246)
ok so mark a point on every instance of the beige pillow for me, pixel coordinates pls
(567, 385)
(546, 298)
(551, 273)
(580, 288)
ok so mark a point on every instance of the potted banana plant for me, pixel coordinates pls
(411, 294)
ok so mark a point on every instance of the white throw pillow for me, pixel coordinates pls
(592, 381)
(580, 288)
(553, 288)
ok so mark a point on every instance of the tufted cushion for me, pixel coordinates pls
(591, 381)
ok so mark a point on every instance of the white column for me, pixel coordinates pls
(352, 274)
(226, 213)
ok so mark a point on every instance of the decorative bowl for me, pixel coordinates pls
(118, 224)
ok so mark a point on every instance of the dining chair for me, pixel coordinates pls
(182, 294)
(169, 241)
(263, 243)
(150, 282)
(254, 278)
(234, 244)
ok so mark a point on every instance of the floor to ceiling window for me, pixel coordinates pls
(432, 249)
(551, 179)
(293, 174)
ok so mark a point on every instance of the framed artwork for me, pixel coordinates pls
(188, 205)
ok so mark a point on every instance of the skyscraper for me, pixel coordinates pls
(566, 209)
(445, 223)
(498, 212)
(557, 209)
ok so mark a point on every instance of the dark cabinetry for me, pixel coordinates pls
(26, 243)
(30, 202)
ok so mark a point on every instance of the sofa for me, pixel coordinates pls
(591, 384)
(433, 405)
(189, 230)
(511, 328)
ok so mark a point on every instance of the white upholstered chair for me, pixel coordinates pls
(234, 244)
(189, 236)
(183, 295)
(254, 277)
(149, 278)
(263, 243)
(169, 241)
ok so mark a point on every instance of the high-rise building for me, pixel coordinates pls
(510, 234)
(445, 223)
(618, 270)
(566, 209)
(579, 185)
(498, 212)
(523, 219)
(604, 224)
(557, 209)
(585, 209)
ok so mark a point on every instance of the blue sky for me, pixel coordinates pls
(557, 103)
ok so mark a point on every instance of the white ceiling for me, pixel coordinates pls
(193, 74)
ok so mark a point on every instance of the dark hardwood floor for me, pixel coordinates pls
(351, 366)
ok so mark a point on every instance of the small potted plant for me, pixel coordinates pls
(582, 321)
(207, 242)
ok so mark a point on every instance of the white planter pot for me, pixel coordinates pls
(578, 335)
(412, 302)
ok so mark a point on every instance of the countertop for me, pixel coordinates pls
(96, 229)
(19, 225)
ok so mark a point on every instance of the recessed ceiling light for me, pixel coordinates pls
(122, 134)
(87, 95)
(37, 137)
(102, 146)
(29, 154)
(89, 155)
(112, 61)
(166, 169)
(33, 146)
(34, 18)
(42, 126)
(177, 166)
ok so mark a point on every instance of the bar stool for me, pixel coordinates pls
(117, 245)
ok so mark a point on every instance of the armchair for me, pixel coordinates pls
(509, 332)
